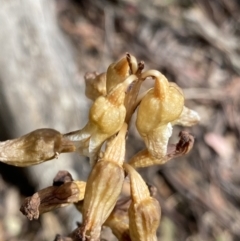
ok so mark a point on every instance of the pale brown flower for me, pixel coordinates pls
(106, 117)
(104, 185)
(158, 108)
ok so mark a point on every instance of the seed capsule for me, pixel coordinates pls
(36, 147)
(144, 211)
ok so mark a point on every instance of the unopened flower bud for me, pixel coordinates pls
(95, 85)
(36, 147)
(117, 73)
(144, 211)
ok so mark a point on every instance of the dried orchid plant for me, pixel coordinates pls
(132, 215)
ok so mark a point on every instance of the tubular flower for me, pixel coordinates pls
(158, 108)
(103, 187)
(106, 117)
(144, 211)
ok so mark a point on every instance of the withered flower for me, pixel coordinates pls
(104, 185)
(53, 197)
(62, 177)
(35, 147)
(144, 211)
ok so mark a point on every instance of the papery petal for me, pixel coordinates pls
(188, 117)
(161, 105)
(157, 140)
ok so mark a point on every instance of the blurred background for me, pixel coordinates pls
(46, 48)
